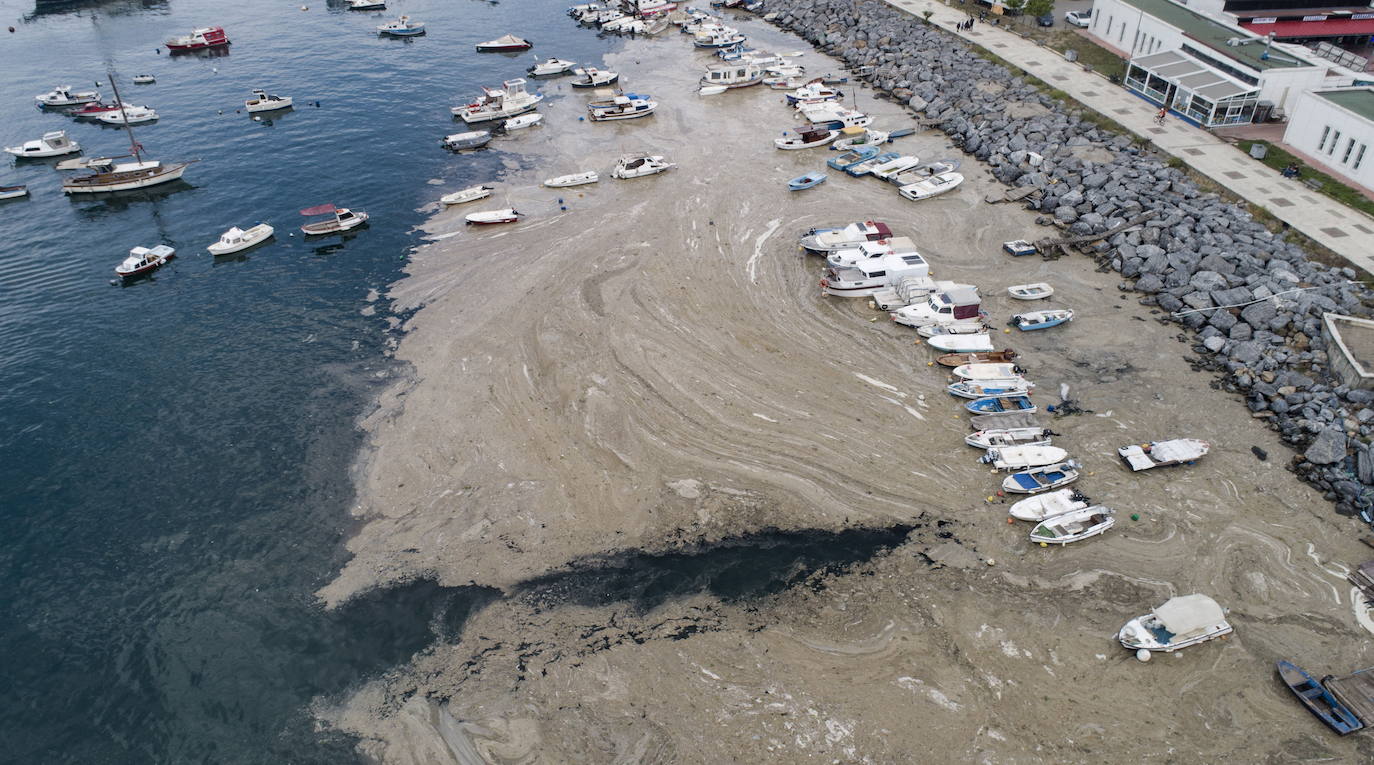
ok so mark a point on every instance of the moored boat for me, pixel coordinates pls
(237, 239)
(469, 194)
(13, 192)
(591, 77)
(621, 107)
(961, 344)
(1318, 700)
(857, 136)
(262, 101)
(990, 405)
(981, 357)
(551, 67)
(492, 217)
(366, 5)
(343, 219)
(1048, 505)
(740, 75)
(89, 111)
(805, 138)
(521, 122)
(402, 26)
(127, 114)
(199, 39)
(808, 181)
(994, 438)
(142, 260)
(814, 92)
(1023, 457)
(144, 79)
(871, 164)
(504, 43)
(1074, 526)
(1034, 320)
(822, 241)
(853, 157)
(63, 95)
(987, 371)
(1180, 622)
(109, 176)
(640, 165)
(1033, 291)
(473, 139)
(1040, 479)
(575, 179)
(1011, 387)
(509, 100)
(1018, 248)
(833, 116)
(1155, 454)
(935, 185)
(867, 276)
(53, 144)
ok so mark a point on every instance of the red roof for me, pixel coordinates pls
(1328, 28)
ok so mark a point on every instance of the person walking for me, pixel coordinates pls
(1162, 115)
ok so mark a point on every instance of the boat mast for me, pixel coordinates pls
(124, 117)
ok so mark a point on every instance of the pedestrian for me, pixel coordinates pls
(1162, 115)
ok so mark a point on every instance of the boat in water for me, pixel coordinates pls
(1048, 505)
(640, 165)
(1183, 621)
(993, 405)
(1178, 451)
(833, 116)
(1318, 699)
(987, 371)
(1074, 526)
(1010, 387)
(142, 260)
(127, 115)
(144, 79)
(961, 344)
(13, 192)
(621, 107)
(981, 357)
(469, 194)
(551, 67)
(509, 100)
(521, 122)
(492, 217)
(857, 136)
(199, 39)
(342, 219)
(1040, 479)
(89, 111)
(366, 5)
(853, 157)
(110, 176)
(575, 179)
(813, 92)
(504, 43)
(932, 186)
(63, 95)
(807, 137)
(237, 239)
(402, 26)
(732, 76)
(52, 144)
(262, 101)
(808, 181)
(1022, 457)
(823, 241)
(473, 139)
(591, 77)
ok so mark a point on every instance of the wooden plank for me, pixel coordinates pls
(1356, 691)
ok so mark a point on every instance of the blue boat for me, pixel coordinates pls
(1000, 405)
(1027, 322)
(810, 180)
(1318, 699)
(853, 157)
(734, 52)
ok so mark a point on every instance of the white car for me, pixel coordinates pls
(1079, 18)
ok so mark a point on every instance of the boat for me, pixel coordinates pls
(808, 181)
(990, 405)
(492, 217)
(870, 275)
(855, 137)
(13, 192)
(640, 165)
(1033, 291)
(52, 144)
(933, 186)
(851, 158)
(822, 241)
(952, 327)
(521, 122)
(141, 260)
(869, 165)
(1019, 248)
(343, 219)
(893, 168)
(402, 26)
(978, 389)
(366, 5)
(90, 110)
(962, 344)
(733, 75)
(719, 37)
(922, 173)
(469, 194)
(1000, 437)
(1155, 454)
(1022, 457)
(551, 67)
(504, 43)
(127, 115)
(591, 77)
(804, 138)
(1318, 700)
(63, 95)
(1074, 526)
(264, 102)
(238, 240)
(1180, 622)
(982, 357)
(784, 82)
(473, 139)
(960, 303)
(1034, 320)
(1048, 505)
(833, 116)
(1003, 420)
(987, 371)
(509, 100)
(109, 176)
(621, 107)
(144, 79)
(902, 245)
(199, 39)
(576, 179)
(1040, 479)
(813, 92)
(711, 90)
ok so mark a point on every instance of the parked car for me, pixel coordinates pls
(1079, 18)
(1045, 21)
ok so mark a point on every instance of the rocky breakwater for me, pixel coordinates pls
(1252, 301)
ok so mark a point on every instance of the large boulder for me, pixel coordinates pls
(1208, 281)
(1327, 448)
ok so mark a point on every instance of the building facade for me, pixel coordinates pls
(1336, 128)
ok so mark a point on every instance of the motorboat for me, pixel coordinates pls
(237, 239)
(199, 39)
(144, 79)
(813, 92)
(805, 138)
(977, 389)
(473, 139)
(141, 260)
(857, 136)
(869, 165)
(1318, 699)
(808, 181)
(864, 251)
(996, 405)
(343, 219)
(1018, 248)
(111, 176)
(625, 24)
(1034, 320)
(504, 43)
(621, 107)
(870, 275)
(980, 371)
(1155, 454)
(492, 217)
(960, 304)
(1180, 622)
(822, 241)
(591, 77)
(521, 122)
(469, 194)
(509, 100)
(1034, 291)
(63, 95)
(784, 82)
(923, 172)
(851, 158)
(640, 165)
(711, 90)
(265, 102)
(933, 186)
(402, 26)
(1040, 479)
(366, 5)
(718, 37)
(1074, 526)
(1048, 505)
(961, 344)
(833, 116)
(1000, 437)
(1022, 457)
(733, 75)
(576, 179)
(52, 144)
(952, 327)
(983, 357)
(551, 67)
(894, 167)
(129, 114)
(13, 192)
(89, 111)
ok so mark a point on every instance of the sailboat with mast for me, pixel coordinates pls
(125, 176)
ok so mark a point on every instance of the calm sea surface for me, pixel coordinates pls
(174, 453)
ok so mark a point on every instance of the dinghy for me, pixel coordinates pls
(1040, 479)
(144, 79)
(1034, 291)
(1023, 457)
(999, 405)
(473, 139)
(489, 217)
(576, 179)
(521, 122)
(1048, 505)
(805, 138)
(711, 90)
(946, 326)
(469, 194)
(13, 192)
(1003, 420)
(142, 260)
(1019, 248)
(985, 357)
(977, 389)
(1001, 437)
(1034, 320)
(978, 343)
(1180, 622)
(238, 240)
(1318, 700)
(551, 68)
(808, 181)
(981, 371)
(1162, 453)
(1074, 526)
(932, 186)
(640, 165)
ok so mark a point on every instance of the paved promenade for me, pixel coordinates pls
(1345, 231)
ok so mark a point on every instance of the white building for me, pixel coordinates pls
(1336, 127)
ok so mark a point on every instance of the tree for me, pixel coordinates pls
(1014, 6)
(1037, 8)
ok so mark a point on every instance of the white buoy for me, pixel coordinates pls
(1142, 655)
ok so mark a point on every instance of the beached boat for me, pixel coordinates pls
(199, 39)
(473, 139)
(804, 138)
(851, 158)
(960, 303)
(576, 179)
(983, 357)
(961, 344)
(509, 100)
(52, 144)
(141, 260)
(1019, 248)
(895, 167)
(989, 405)
(238, 240)
(1002, 437)
(127, 114)
(987, 371)
(591, 77)
(621, 107)
(1048, 505)
(1010, 387)
(711, 90)
(640, 165)
(784, 81)
(504, 43)
(1318, 699)
(935, 185)
(469, 194)
(1155, 454)
(343, 219)
(869, 165)
(144, 79)
(521, 122)
(366, 5)
(492, 217)
(1003, 420)
(870, 275)
(1180, 622)
(740, 75)
(1023, 457)
(13, 192)
(941, 327)
(1040, 479)
(63, 95)
(109, 176)
(808, 181)
(833, 116)
(1034, 320)
(402, 26)
(1074, 526)
(1033, 291)
(822, 241)
(551, 67)
(855, 137)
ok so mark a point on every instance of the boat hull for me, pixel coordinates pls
(141, 179)
(333, 226)
(1318, 700)
(566, 181)
(13, 192)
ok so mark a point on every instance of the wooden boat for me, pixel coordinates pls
(469, 194)
(994, 438)
(1040, 479)
(13, 192)
(1003, 420)
(109, 176)
(1163, 453)
(1019, 248)
(504, 43)
(490, 217)
(990, 405)
(1012, 387)
(238, 240)
(344, 220)
(142, 260)
(981, 357)
(1034, 320)
(1317, 699)
(1355, 691)
(933, 186)
(1180, 622)
(808, 181)
(804, 138)
(1033, 291)
(1023, 457)
(1074, 526)
(576, 179)
(1048, 505)
(962, 344)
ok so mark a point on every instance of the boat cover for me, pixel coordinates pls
(1187, 614)
(1177, 450)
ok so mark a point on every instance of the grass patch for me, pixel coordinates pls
(1332, 187)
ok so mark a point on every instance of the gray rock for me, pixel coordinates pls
(1208, 281)
(1222, 320)
(1247, 352)
(1150, 283)
(1214, 343)
(1259, 314)
(1328, 448)
(1241, 331)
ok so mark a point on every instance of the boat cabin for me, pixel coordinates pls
(868, 276)
(732, 75)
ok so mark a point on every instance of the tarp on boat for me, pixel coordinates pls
(323, 209)
(1187, 614)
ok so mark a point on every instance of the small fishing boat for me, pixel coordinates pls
(1019, 248)
(640, 165)
(63, 95)
(813, 92)
(1023, 457)
(622, 107)
(711, 90)
(1074, 526)
(822, 241)
(851, 158)
(1180, 622)
(833, 116)
(576, 179)
(264, 102)
(144, 79)
(962, 344)
(591, 77)
(199, 39)
(1048, 505)
(869, 165)
(855, 137)
(733, 75)
(343, 219)
(1010, 387)
(469, 194)
(1318, 700)
(1040, 479)
(947, 326)
(238, 240)
(804, 138)
(88, 111)
(1033, 291)
(504, 43)
(784, 82)
(521, 122)
(13, 192)
(720, 37)
(127, 114)
(52, 144)
(109, 176)
(141, 260)
(982, 357)
(366, 5)
(1034, 320)
(551, 67)
(509, 100)
(1020, 403)
(895, 167)
(808, 181)
(935, 185)
(1002, 437)
(492, 217)
(403, 26)
(473, 139)
(987, 371)
(1155, 454)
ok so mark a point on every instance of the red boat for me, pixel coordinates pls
(94, 108)
(206, 37)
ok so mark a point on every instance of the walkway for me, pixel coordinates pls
(1343, 230)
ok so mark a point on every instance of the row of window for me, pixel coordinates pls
(1330, 148)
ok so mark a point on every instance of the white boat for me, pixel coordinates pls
(238, 240)
(127, 176)
(264, 102)
(784, 82)
(141, 260)
(961, 343)
(505, 43)
(1180, 622)
(864, 251)
(858, 136)
(403, 26)
(1161, 453)
(366, 5)
(469, 194)
(13, 192)
(128, 114)
(894, 167)
(1003, 437)
(822, 241)
(953, 327)
(621, 107)
(1003, 388)
(935, 185)
(344, 220)
(718, 37)
(52, 144)
(987, 371)
(509, 100)
(63, 95)
(1074, 526)
(144, 79)
(1043, 478)
(551, 67)
(492, 217)
(522, 122)
(473, 139)
(1033, 291)
(814, 92)
(960, 304)
(833, 116)
(1033, 320)
(868, 276)
(1049, 504)
(733, 75)
(711, 90)
(1022, 457)
(591, 77)
(640, 165)
(576, 179)
(805, 138)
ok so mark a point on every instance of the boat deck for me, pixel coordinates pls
(1356, 692)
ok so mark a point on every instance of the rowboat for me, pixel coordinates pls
(1034, 320)
(469, 194)
(808, 181)
(1040, 479)
(982, 357)
(1022, 457)
(521, 122)
(1012, 387)
(576, 179)
(1318, 699)
(144, 79)
(13, 192)
(994, 438)
(489, 217)
(997, 405)
(980, 371)
(1074, 526)
(1048, 505)
(962, 344)
(1034, 291)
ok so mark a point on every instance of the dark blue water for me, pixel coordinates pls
(174, 454)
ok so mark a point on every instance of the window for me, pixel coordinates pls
(1326, 131)
(1359, 157)
(1122, 36)
(1349, 147)
(1335, 139)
